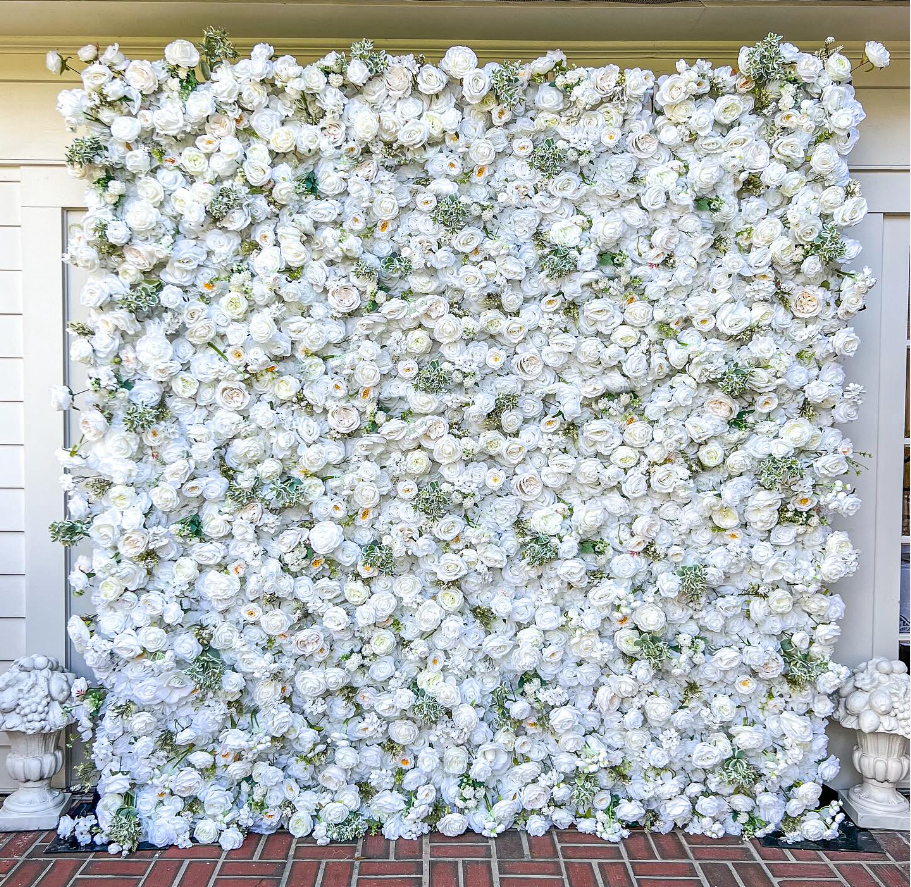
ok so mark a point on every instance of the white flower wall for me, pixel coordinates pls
(461, 440)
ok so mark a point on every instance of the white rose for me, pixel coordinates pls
(658, 709)
(152, 638)
(95, 76)
(846, 342)
(232, 395)
(126, 129)
(141, 76)
(705, 756)
(182, 54)
(838, 67)
(403, 732)
(275, 622)
(206, 831)
(728, 108)
(459, 61)
(808, 67)
(452, 824)
(300, 824)
(649, 618)
(343, 298)
(850, 212)
(795, 727)
(475, 85)
(343, 418)
(547, 520)
(325, 537)
(431, 80)
(455, 760)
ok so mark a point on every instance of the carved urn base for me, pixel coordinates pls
(32, 761)
(882, 760)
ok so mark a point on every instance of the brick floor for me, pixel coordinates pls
(558, 859)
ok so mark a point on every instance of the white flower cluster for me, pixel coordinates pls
(876, 698)
(460, 443)
(83, 829)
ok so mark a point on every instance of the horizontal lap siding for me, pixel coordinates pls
(12, 438)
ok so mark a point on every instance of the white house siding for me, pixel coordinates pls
(12, 517)
(35, 192)
(12, 494)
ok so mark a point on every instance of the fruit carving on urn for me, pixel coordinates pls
(875, 702)
(33, 696)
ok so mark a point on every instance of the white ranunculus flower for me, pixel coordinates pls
(876, 54)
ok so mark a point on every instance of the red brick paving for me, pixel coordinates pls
(558, 859)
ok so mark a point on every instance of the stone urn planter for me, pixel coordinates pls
(875, 703)
(33, 694)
